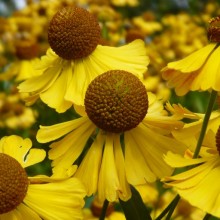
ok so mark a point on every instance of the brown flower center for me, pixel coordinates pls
(13, 183)
(217, 140)
(26, 49)
(213, 31)
(73, 33)
(116, 101)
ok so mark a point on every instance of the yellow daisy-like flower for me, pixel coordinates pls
(26, 52)
(116, 122)
(75, 59)
(199, 185)
(35, 198)
(13, 113)
(198, 71)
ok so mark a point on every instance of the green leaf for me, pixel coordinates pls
(134, 208)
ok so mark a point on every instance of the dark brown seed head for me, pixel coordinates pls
(213, 31)
(26, 49)
(217, 140)
(13, 183)
(116, 101)
(73, 33)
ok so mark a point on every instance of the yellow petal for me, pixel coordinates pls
(202, 189)
(108, 185)
(42, 82)
(27, 213)
(50, 133)
(192, 62)
(26, 70)
(152, 146)
(14, 214)
(131, 57)
(68, 149)
(20, 149)
(91, 164)
(57, 200)
(137, 171)
(54, 95)
(125, 192)
(176, 160)
(190, 178)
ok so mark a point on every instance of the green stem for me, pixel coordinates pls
(211, 103)
(207, 216)
(171, 207)
(104, 210)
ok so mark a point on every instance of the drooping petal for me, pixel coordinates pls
(137, 171)
(42, 82)
(131, 57)
(108, 185)
(49, 133)
(176, 160)
(53, 96)
(150, 147)
(125, 192)
(14, 214)
(199, 185)
(57, 200)
(27, 213)
(91, 165)
(198, 71)
(190, 63)
(67, 150)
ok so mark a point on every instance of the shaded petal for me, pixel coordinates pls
(91, 164)
(13, 215)
(189, 178)
(151, 147)
(83, 72)
(199, 186)
(137, 171)
(27, 213)
(108, 185)
(68, 149)
(125, 192)
(54, 95)
(57, 200)
(42, 82)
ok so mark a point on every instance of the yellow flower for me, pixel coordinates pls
(127, 144)
(199, 185)
(75, 59)
(198, 71)
(38, 197)
(26, 53)
(120, 3)
(13, 113)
